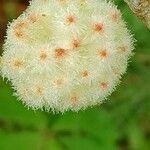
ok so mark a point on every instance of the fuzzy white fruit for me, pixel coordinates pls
(66, 54)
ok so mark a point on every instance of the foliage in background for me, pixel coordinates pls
(122, 123)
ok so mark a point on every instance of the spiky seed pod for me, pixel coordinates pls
(66, 54)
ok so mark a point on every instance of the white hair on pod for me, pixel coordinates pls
(66, 54)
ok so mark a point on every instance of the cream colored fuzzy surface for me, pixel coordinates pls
(66, 54)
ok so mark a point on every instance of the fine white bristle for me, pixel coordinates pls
(66, 54)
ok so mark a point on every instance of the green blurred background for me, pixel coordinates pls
(122, 123)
